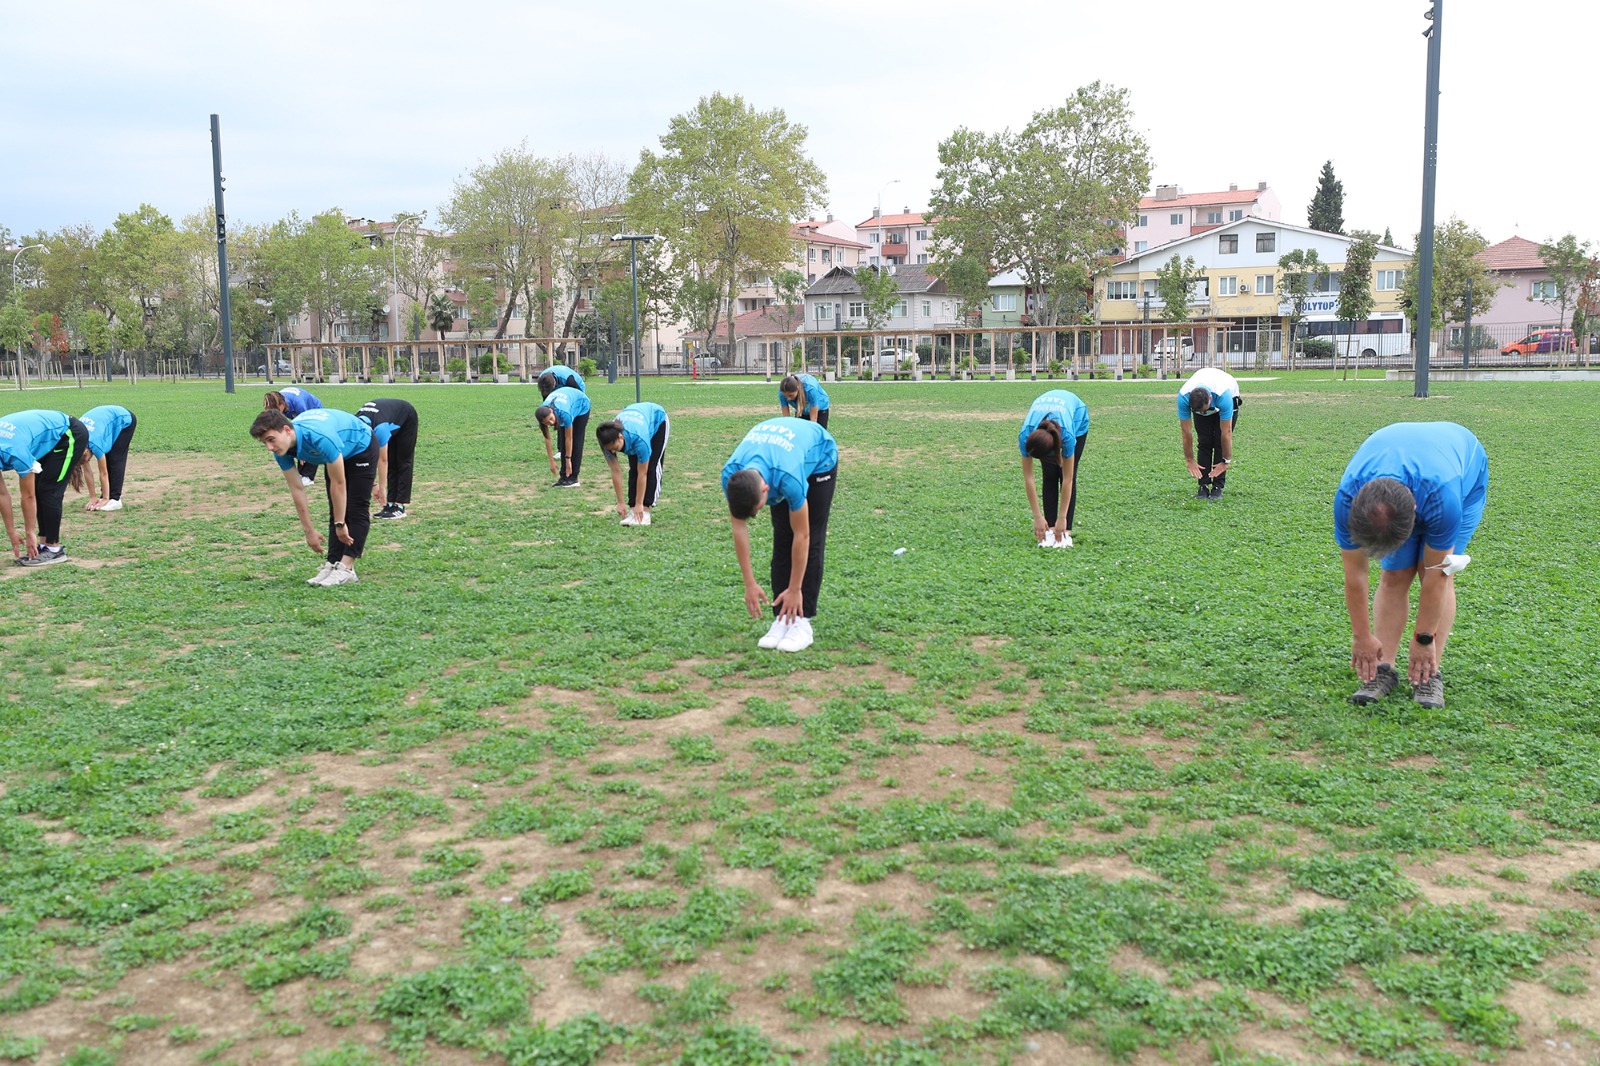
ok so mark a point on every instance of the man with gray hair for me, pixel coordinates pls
(1412, 496)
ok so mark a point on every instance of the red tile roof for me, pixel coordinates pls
(769, 320)
(801, 233)
(1201, 199)
(1513, 253)
(894, 220)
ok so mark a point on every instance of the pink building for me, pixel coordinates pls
(1170, 214)
(896, 240)
(1526, 303)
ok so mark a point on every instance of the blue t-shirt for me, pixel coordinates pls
(323, 435)
(640, 421)
(566, 377)
(785, 451)
(385, 417)
(568, 403)
(105, 424)
(1062, 408)
(27, 436)
(815, 396)
(1442, 464)
(298, 401)
(1219, 383)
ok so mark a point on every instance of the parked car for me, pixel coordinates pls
(1541, 342)
(280, 367)
(889, 359)
(1176, 346)
(703, 363)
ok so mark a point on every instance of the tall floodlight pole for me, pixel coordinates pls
(633, 240)
(1430, 168)
(222, 257)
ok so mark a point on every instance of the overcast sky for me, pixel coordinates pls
(379, 107)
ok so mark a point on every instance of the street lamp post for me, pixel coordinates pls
(1430, 168)
(16, 294)
(400, 223)
(633, 240)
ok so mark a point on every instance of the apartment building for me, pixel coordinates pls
(1170, 214)
(1528, 299)
(905, 239)
(926, 304)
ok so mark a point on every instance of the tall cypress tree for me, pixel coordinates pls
(1326, 212)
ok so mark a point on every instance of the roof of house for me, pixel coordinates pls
(1513, 253)
(1161, 250)
(769, 320)
(894, 220)
(841, 281)
(1199, 199)
(810, 236)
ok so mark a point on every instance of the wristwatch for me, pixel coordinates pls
(1424, 638)
(340, 525)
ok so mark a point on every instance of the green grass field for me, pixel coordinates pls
(528, 793)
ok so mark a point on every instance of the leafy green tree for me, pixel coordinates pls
(1388, 238)
(138, 256)
(1049, 201)
(15, 327)
(1175, 282)
(1569, 263)
(723, 190)
(128, 332)
(441, 314)
(1355, 291)
(967, 277)
(1455, 266)
(1326, 211)
(94, 332)
(1302, 269)
(589, 256)
(321, 267)
(508, 217)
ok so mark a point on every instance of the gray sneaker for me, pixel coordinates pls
(1379, 687)
(1430, 693)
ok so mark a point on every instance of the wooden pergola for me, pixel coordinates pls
(1123, 343)
(356, 360)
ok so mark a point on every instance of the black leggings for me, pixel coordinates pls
(117, 459)
(55, 470)
(822, 416)
(652, 471)
(1208, 444)
(580, 426)
(819, 501)
(402, 458)
(360, 471)
(1052, 485)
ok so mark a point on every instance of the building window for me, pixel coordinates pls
(897, 238)
(827, 256)
(1390, 280)
(1235, 215)
(1228, 244)
(901, 310)
(811, 255)
(1543, 290)
(811, 279)
(1120, 290)
(1263, 284)
(1214, 218)
(1005, 301)
(1149, 286)
(1200, 290)
(858, 309)
(1328, 283)
(1140, 246)
(1266, 242)
(1176, 220)
(874, 236)
(922, 234)
(927, 308)
(1228, 286)
(872, 261)
(1144, 220)
(922, 257)
(824, 313)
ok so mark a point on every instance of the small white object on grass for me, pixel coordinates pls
(899, 551)
(1049, 540)
(1454, 564)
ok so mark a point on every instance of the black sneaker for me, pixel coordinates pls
(399, 510)
(1202, 493)
(1379, 687)
(1216, 492)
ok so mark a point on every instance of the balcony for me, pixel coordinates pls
(893, 248)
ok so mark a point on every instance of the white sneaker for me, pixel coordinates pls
(321, 575)
(111, 505)
(645, 520)
(1065, 541)
(305, 481)
(627, 519)
(779, 630)
(798, 638)
(339, 576)
(1049, 540)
